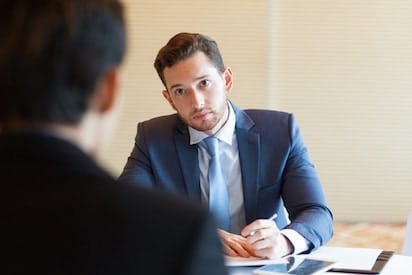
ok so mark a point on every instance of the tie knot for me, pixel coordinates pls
(212, 145)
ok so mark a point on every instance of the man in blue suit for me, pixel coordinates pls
(266, 166)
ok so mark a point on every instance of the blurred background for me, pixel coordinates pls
(343, 67)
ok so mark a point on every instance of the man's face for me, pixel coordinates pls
(198, 92)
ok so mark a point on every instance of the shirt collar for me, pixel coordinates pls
(225, 134)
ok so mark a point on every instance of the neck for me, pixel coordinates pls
(86, 134)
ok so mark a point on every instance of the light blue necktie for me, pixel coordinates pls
(218, 193)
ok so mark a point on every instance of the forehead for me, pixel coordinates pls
(189, 69)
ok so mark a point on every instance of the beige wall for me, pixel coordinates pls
(343, 67)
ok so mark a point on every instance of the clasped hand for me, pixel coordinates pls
(265, 242)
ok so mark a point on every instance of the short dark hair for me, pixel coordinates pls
(53, 54)
(182, 46)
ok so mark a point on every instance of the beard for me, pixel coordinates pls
(212, 124)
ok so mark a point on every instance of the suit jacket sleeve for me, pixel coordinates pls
(138, 168)
(303, 194)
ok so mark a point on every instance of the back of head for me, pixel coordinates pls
(52, 55)
(184, 45)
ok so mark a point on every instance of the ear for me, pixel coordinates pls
(107, 91)
(166, 95)
(228, 77)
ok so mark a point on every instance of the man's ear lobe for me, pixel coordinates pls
(107, 91)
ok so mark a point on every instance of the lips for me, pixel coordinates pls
(202, 116)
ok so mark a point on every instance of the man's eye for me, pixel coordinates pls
(179, 92)
(205, 83)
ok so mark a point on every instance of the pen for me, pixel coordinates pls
(271, 218)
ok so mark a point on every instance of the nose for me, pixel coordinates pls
(197, 99)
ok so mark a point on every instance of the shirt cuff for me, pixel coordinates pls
(299, 243)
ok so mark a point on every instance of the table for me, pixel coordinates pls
(397, 265)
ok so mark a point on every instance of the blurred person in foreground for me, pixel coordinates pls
(264, 163)
(60, 70)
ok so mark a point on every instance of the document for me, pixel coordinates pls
(356, 260)
(350, 258)
(251, 261)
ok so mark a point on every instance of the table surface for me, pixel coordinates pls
(397, 265)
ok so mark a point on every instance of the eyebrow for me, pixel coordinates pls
(197, 78)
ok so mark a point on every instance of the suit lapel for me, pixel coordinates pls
(188, 158)
(249, 154)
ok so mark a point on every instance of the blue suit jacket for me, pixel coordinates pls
(274, 161)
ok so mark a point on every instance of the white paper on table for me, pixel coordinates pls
(251, 261)
(348, 257)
